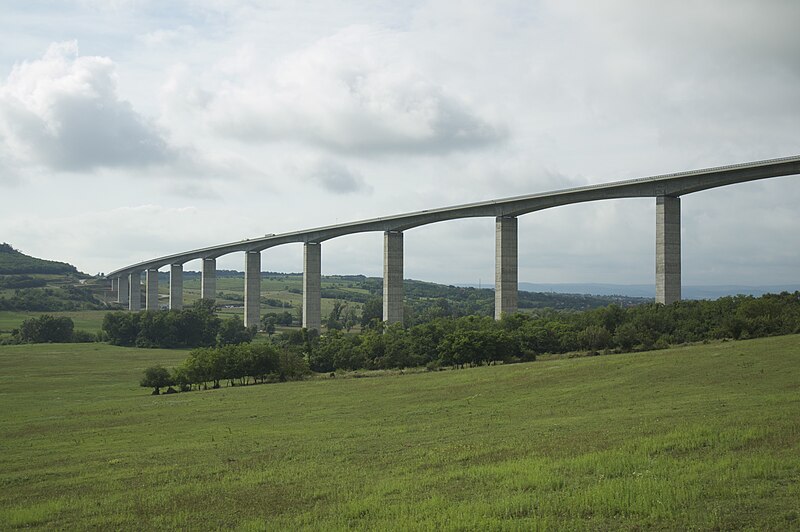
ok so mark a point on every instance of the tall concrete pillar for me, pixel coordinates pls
(208, 279)
(312, 285)
(393, 277)
(122, 290)
(506, 266)
(252, 288)
(151, 292)
(176, 286)
(668, 249)
(135, 289)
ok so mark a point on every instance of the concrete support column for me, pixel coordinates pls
(668, 249)
(312, 285)
(122, 290)
(135, 290)
(393, 277)
(151, 292)
(506, 266)
(208, 279)
(176, 286)
(252, 288)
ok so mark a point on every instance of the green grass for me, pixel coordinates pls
(703, 437)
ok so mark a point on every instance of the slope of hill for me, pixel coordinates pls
(16, 262)
(37, 285)
(694, 438)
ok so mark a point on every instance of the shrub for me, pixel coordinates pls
(83, 337)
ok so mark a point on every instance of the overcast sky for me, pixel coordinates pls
(131, 129)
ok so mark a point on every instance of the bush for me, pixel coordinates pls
(83, 337)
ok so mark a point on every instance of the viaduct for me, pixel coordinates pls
(666, 189)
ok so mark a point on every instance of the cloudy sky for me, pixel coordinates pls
(131, 129)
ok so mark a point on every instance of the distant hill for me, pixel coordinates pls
(13, 262)
(649, 290)
(425, 299)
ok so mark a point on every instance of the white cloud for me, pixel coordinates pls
(62, 112)
(354, 92)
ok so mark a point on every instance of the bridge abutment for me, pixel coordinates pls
(151, 290)
(393, 277)
(135, 290)
(668, 249)
(176, 286)
(252, 288)
(312, 285)
(506, 266)
(208, 279)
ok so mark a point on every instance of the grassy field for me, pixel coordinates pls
(87, 320)
(704, 437)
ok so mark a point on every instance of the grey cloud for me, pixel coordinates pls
(339, 179)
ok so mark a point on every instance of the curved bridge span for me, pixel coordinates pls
(666, 189)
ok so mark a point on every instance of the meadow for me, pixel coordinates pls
(705, 437)
(87, 320)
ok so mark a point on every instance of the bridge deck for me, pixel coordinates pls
(674, 184)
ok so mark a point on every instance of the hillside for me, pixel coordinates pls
(694, 438)
(37, 285)
(16, 262)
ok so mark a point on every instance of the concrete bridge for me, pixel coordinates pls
(666, 189)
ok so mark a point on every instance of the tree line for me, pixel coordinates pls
(47, 329)
(196, 326)
(241, 364)
(471, 340)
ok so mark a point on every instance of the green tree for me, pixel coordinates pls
(626, 336)
(372, 313)
(233, 331)
(156, 377)
(594, 337)
(121, 327)
(46, 329)
(268, 323)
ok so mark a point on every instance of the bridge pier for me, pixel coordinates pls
(506, 266)
(208, 279)
(176, 286)
(252, 288)
(135, 289)
(151, 291)
(122, 290)
(312, 285)
(668, 249)
(393, 277)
